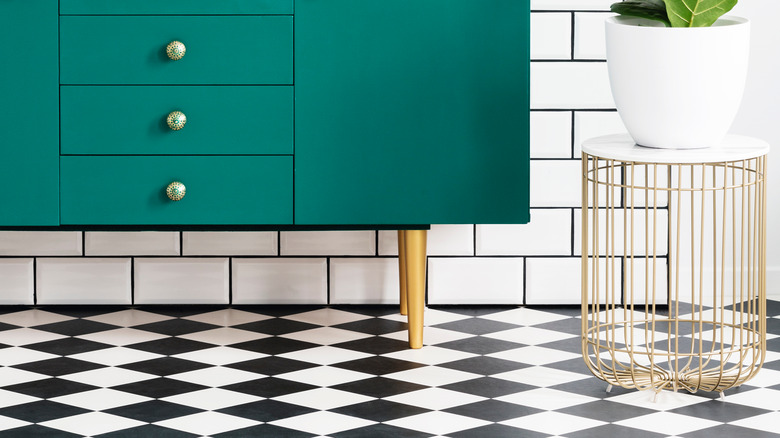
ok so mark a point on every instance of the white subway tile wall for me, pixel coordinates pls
(537, 263)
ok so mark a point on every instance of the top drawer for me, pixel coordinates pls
(130, 50)
(189, 7)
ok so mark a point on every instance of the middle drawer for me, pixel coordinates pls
(132, 120)
(119, 50)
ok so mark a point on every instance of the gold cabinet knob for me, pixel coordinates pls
(176, 120)
(176, 191)
(175, 50)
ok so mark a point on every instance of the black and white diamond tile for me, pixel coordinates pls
(287, 371)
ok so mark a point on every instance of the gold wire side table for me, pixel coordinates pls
(674, 263)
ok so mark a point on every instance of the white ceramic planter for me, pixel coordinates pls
(677, 88)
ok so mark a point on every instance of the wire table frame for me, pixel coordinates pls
(674, 264)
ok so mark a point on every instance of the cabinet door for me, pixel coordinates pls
(411, 111)
(29, 121)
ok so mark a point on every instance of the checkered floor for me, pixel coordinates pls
(339, 372)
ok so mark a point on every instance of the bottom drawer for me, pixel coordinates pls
(220, 190)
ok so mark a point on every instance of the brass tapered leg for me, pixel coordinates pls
(402, 270)
(415, 242)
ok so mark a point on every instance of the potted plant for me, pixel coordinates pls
(677, 69)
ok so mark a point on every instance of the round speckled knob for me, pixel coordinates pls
(175, 50)
(176, 191)
(176, 120)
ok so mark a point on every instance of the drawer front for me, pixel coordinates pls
(219, 190)
(189, 7)
(131, 120)
(121, 50)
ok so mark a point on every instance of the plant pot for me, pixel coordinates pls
(677, 88)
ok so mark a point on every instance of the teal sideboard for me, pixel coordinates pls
(299, 113)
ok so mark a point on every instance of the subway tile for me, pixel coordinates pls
(16, 281)
(328, 243)
(551, 134)
(645, 281)
(558, 281)
(131, 243)
(475, 280)
(551, 35)
(592, 124)
(579, 5)
(657, 241)
(83, 281)
(182, 281)
(40, 243)
(261, 243)
(548, 233)
(280, 280)
(567, 85)
(442, 240)
(589, 39)
(556, 183)
(364, 281)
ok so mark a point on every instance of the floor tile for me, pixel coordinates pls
(58, 366)
(732, 431)
(271, 365)
(375, 345)
(129, 318)
(430, 355)
(7, 423)
(666, 400)
(92, 423)
(220, 355)
(100, 399)
(33, 317)
(324, 376)
(176, 327)
(668, 423)
(765, 422)
(215, 376)
(164, 366)
(274, 345)
(541, 376)
(480, 345)
(75, 327)
(378, 365)
(380, 431)
(228, 317)
(68, 346)
(438, 423)
(757, 398)
(484, 365)
(374, 326)
(476, 326)
(323, 398)
(267, 410)
(207, 423)
(493, 410)
(211, 399)
(432, 376)
(19, 355)
(535, 355)
(546, 399)
(718, 410)
(322, 423)
(116, 356)
(380, 410)
(379, 387)
(530, 335)
(276, 326)
(122, 336)
(488, 387)
(603, 410)
(27, 336)
(498, 431)
(435, 398)
(33, 430)
(326, 336)
(324, 355)
(553, 423)
(40, 411)
(13, 376)
(153, 410)
(148, 430)
(269, 387)
(159, 388)
(108, 377)
(224, 336)
(433, 336)
(613, 430)
(10, 398)
(264, 430)
(326, 317)
(48, 388)
(171, 346)
(525, 316)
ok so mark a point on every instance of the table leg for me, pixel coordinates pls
(402, 269)
(414, 249)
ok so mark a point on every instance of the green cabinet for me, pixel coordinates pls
(29, 132)
(299, 112)
(411, 111)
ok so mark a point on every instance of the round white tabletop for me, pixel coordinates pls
(621, 147)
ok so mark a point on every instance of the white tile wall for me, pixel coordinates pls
(551, 134)
(40, 243)
(475, 280)
(442, 240)
(328, 243)
(567, 85)
(638, 282)
(276, 280)
(558, 281)
(83, 281)
(230, 243)
(641, 246)
(131, 243)
(16, 281)
(364, 281)
(182, 280)
(482, 264)
(579, 5)
(548, 233)
(589, 35)
(551, 36)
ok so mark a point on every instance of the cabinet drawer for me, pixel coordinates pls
(219, 190)
(131, 120)
(121, 50)
(189, 7)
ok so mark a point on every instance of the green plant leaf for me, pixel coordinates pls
(650, 9)
(696, 13)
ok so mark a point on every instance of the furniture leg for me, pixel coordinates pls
(402, 270)
(415, 242)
